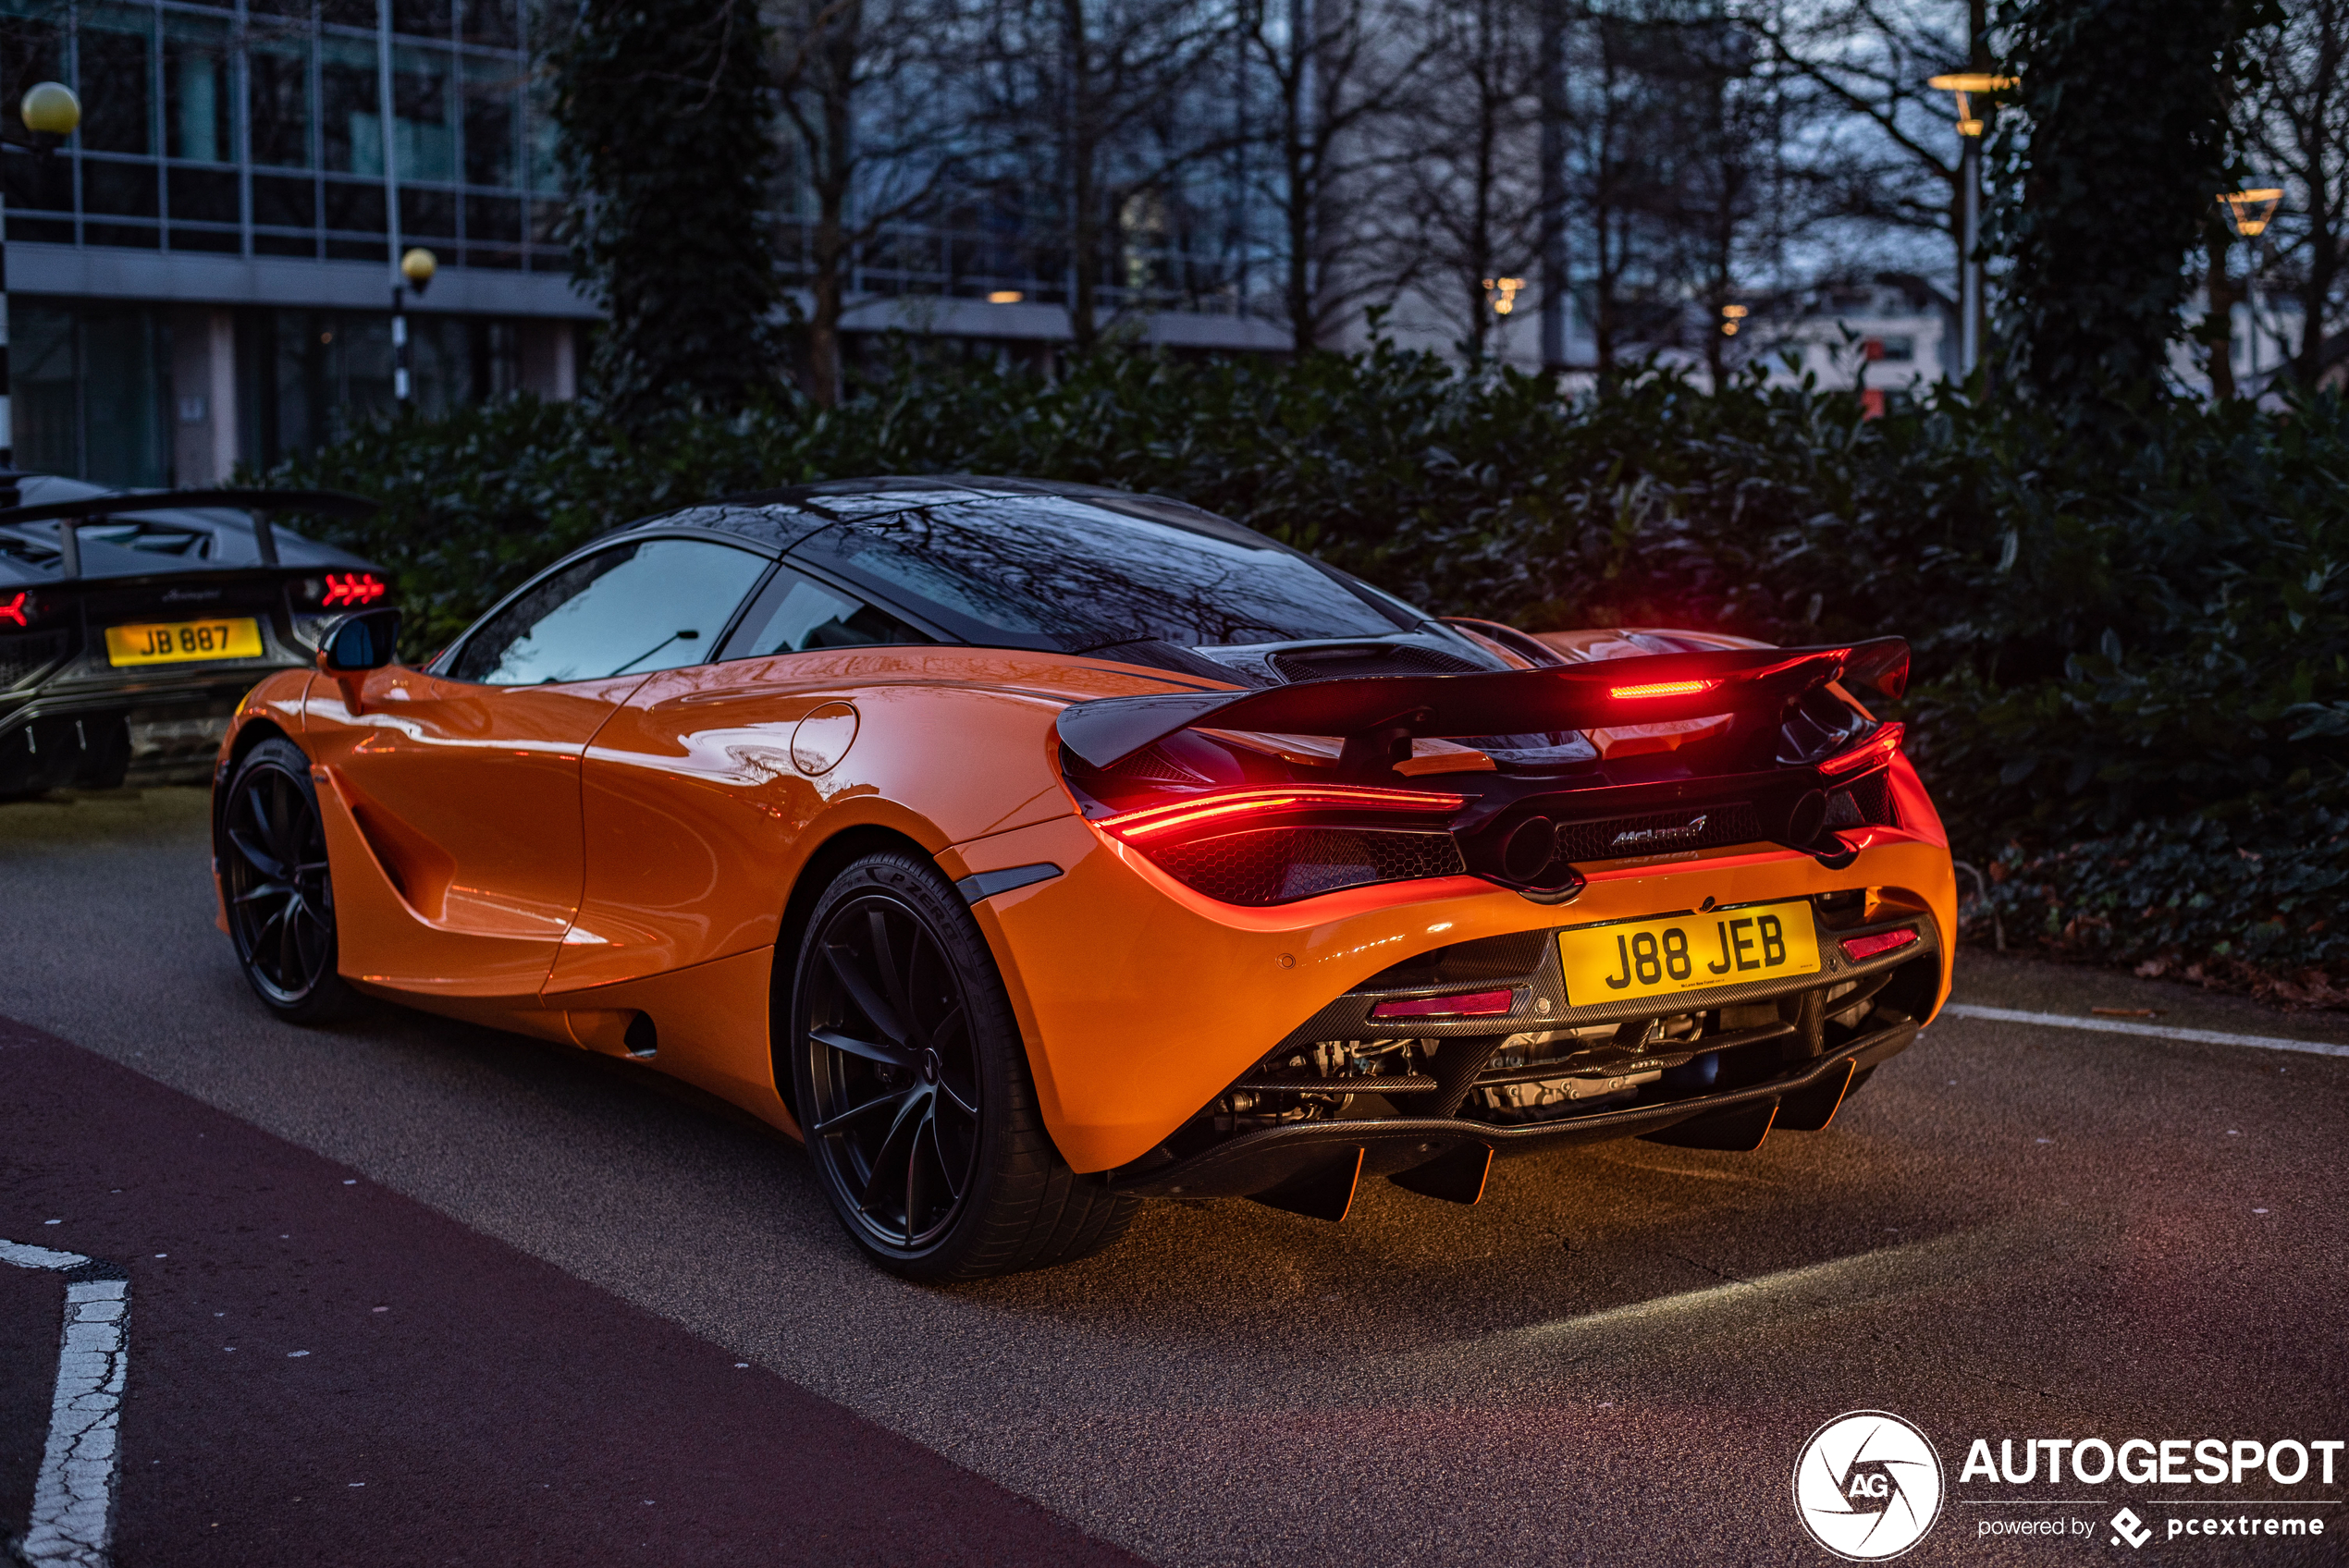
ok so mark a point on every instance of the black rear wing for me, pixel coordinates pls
(1376, 713)
(260, 503)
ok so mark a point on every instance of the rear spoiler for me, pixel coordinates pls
(1379, 714)
(261, 503)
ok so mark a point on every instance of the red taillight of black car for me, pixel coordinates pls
(1276, 844)
(352, 590)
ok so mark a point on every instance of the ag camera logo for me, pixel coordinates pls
(1867, 1486)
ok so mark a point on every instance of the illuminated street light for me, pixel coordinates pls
(50, 113)
(2249, 212)
(1732, 317)
(1967, 86)
(1005, 297)
(417, 269)
(1503, 291)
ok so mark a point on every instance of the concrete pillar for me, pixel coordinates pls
(203, 395)
(548, 351)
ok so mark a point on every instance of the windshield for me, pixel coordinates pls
(1055, 572)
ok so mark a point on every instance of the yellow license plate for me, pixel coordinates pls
(183, 642)
(1688, 952)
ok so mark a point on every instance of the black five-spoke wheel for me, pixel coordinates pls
(274, 877)
(895, 1084)
(913, 1086)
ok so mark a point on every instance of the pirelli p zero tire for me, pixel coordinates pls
(913, 1090)
(271, 847)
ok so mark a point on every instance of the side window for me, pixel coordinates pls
(796, 614)
(632, 609)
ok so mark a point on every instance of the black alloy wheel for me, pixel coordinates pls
(913, 1090)
(896, 1083)
(272, 854)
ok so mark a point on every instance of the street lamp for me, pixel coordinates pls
(1967, 86)
(50, 112)
(415, 271)
(1732, 317)
(2249, 210)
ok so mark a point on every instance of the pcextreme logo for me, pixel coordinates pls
(1867, 1486)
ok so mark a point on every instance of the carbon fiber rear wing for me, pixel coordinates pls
(1377, 714)
(124, 502)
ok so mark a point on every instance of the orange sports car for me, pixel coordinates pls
(1031, 850)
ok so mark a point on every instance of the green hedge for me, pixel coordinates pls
(2141, 651)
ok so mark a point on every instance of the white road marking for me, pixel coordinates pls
(25, 1257)
(72, 1523)
(2115, 1026)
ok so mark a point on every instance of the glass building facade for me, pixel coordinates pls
(213, 248)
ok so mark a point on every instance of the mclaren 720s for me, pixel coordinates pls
(1030, 849)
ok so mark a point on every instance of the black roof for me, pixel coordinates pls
(782, 517)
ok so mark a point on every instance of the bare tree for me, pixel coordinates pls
(1883, 153)
(1337, 72)
(1472, 165)
(1726, 132)
(1104, 105)
(2298, 128)
(867, 92)
(1622, 177)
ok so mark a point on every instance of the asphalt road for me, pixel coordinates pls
(2015, 1231)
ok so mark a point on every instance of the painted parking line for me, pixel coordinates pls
(2117, 1026)
(72, 1523)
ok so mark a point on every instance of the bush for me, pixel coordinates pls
(2116, 650)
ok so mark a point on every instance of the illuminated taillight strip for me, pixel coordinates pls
(1874, 751)
(1660, 688)
(1859, 948)
(1151, 821)
(1469, 1004)
(15, 611)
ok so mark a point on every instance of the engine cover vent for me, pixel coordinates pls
(1367, 658)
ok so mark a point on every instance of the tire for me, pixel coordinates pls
(271, 846)
(914, 1088)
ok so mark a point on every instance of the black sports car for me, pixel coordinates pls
(132, 621)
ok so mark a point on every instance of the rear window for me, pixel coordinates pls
(1058, 572)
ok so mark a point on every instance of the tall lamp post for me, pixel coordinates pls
(2249, 210)
(415, 271)
(1966, 85)
(50, 112)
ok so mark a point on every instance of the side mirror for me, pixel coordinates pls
(358, 642)
(351, 646)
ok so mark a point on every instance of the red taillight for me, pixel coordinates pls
(1234, 809)
(1661, 689)
(354, 588)
(1272, 844)
(1874, 751)
(1472, 1004)
(18, 611)
(1857, 948)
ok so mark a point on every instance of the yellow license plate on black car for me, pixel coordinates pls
(184, 641)
(1688, 952)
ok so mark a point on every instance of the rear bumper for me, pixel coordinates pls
(1259, 1162)
(1140, 1001)
(95, 731)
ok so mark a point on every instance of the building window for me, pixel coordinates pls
(199, 97)
(91, 385)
